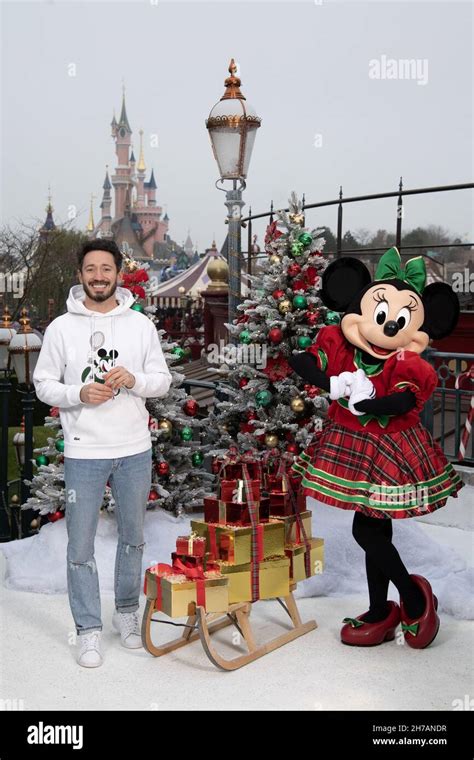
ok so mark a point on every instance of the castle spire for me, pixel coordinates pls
(90, 224)
(141, 161)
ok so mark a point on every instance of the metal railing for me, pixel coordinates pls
(445, 413)
(340, 203)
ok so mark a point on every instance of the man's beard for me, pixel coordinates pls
(99, 297)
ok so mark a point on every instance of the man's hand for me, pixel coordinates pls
(119, 377)
(95, 393)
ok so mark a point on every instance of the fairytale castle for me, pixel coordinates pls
(137, 223)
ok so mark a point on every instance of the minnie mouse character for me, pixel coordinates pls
(373, 455)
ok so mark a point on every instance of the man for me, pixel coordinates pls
(98, 364)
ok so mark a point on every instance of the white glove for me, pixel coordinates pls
(361, 389)
(340, 385)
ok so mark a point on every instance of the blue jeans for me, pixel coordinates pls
(85, 481)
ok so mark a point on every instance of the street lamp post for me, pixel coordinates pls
(24, 350)
(6, 334)
(232, 126)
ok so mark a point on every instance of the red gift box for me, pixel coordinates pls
(231, 512)
(194, 546)
(234, 470)
(280, 503)
(229, 490)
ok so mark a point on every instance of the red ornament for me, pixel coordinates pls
(56, 516)
(191, 407)
(243, 318)
(299, 285)
(310, 275)
(294, 270)
(278, 294)
(277, 368)
(153, 495)
(312, 318)
(292, 448)
(246, 427)
(162, 468)
(289, 435)
(275, 335)
(252, 414)
(243, 382)
(312, 391)
(54, 411)
(215, 466)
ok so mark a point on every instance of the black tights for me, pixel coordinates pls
(383, 564)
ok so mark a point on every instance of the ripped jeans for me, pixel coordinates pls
(85, 482)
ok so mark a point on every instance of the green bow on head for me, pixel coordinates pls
(390, 268)
(353, 622)
(413, 629)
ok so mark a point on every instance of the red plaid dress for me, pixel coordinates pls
(386, 466)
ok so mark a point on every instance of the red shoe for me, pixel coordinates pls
(420, 633)
(357, 633)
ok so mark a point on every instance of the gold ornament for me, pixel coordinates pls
(166, 426)
(274, 259)
(296, 218)
(284, 306)
(297, 405)
(271, 440)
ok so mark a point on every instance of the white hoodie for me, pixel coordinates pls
(80, 347)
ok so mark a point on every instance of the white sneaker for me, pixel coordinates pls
(126, 623)
(90, 655)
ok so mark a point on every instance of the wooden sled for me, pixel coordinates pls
(200, 625)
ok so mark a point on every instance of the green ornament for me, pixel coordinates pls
(197, 458)
(263, 398)
(137, 307)
(41, 459)
(297, 249)
(305, 238)
(332, 318)
(244, 336)
(59, 445)
(300, 302)
(304, 341)
(187, 434)
(179, 352)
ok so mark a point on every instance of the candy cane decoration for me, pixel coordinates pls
(466, 433)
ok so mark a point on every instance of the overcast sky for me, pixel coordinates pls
(308, 68)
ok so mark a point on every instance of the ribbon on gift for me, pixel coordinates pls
(212, 541)
(257, 535)
(233, 456)
(300, 532)
(195, 574)
(161, 570)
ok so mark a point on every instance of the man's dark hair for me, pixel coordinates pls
(100, 245)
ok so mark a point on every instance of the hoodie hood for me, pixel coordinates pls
(75, 303)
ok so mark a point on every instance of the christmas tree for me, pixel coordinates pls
(180, 437)
(268, 406)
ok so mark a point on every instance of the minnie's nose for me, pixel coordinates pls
(390, 328)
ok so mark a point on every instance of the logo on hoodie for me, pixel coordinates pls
(100, 362)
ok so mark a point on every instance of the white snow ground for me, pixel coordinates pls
(315, 672)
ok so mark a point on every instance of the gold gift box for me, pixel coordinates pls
(296, 555)
(179, 597)
(237, 549)
(289, 523)
(274, 579)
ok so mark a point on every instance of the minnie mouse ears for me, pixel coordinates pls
(345, 280)
(341, 282)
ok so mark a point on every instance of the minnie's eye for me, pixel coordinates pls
(380, 313)
(403, 318)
